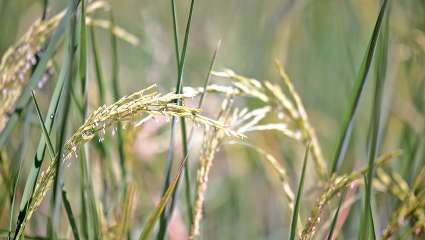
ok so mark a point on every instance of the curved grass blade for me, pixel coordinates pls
(294, 218)
(162, 203)
(45, 6)
(358, 89)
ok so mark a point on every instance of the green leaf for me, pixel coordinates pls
(375, 127)
(53, 107)
(69, 64)
(294, 218)
(98, 67)
(116, 95)
(20, 157)
(153, 218)
(359, 86)
(70, 215)
(335, 218)
(180, 60)
(43, 127)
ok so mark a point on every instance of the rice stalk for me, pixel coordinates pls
(241, 121)
(119, 229)
(118, 31)
(410, 202)
(305, 124)
(212, 140)
(18, 60)
(335, 185)
(127, 109)
(277, 168)
(401, 214)
(290, 109)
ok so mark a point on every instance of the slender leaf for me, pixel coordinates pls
(70, 215)
(180, 69)
(335, 218)
(357, 93)
(72, 45)
(294, 218)
(53, 107)
(116, 95)
(97, 67)
(45, 8)
(43, 126)
(149, 225)
(375, 129)
(17, 173)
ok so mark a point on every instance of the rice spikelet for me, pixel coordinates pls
(211, 143)
(127, 109)
(291, 110)
(336, 184)
(242, 121)
(18, 60)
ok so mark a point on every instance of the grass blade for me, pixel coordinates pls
(45, 6)
(162, 203)
(88, 199)
(97, 67)
(179, 85)
(72, 45)
(83, 55)
(53, 106)
(294, 218)
(116, 95)
(17, 173)
(335, 218)
(106, 166)
(201, 100)
(65, 200)
(70, 215)
(375, 128)
(43, 126)
(358, 89)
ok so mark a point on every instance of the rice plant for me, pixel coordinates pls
(212, 119)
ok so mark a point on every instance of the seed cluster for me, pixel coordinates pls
(17, 62)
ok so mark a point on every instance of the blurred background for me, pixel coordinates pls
(320, 43)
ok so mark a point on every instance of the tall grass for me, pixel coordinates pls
(78, 87)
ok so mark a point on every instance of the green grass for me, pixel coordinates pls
(294, 218)
(87, 151)
(180, 61)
